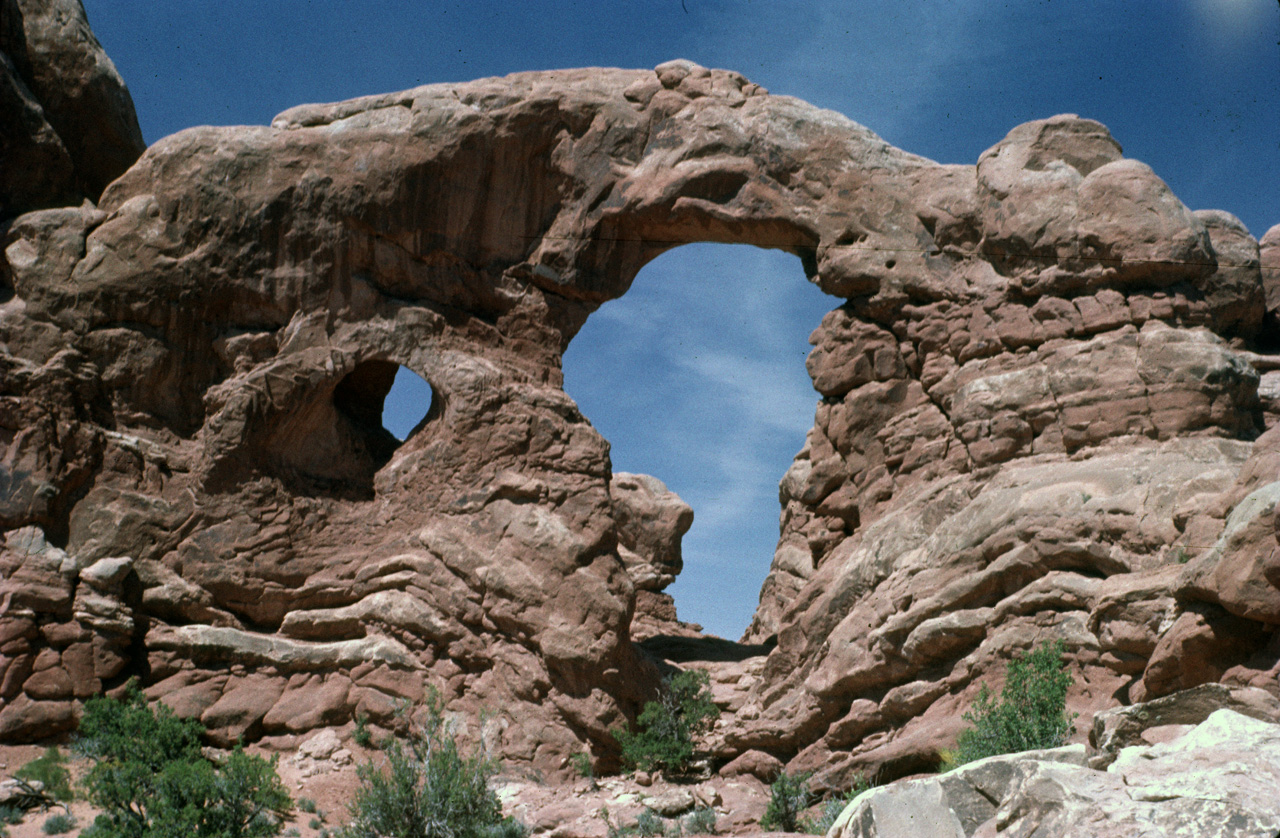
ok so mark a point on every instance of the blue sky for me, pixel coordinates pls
(697, 375)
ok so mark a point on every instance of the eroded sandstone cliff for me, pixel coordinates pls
(1040, 414)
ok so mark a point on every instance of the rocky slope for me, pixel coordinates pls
(1043, 411)
(1201, 762)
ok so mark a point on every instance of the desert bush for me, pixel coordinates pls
(788, 797)
(59, 823)
(361, 733)
(664, 733)
(50, 768)
(649, 824)
(428, 788)
(1031, 713)
(150, 779)
(582, 765)
(701, 821)
(832, 808)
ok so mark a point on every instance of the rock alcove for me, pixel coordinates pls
(1048, 389)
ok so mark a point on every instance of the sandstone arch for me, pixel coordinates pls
(696, 376)
(1023, 344)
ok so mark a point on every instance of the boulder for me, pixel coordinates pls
(758, 764)
(651, 522)
(1214, 779)
(67, 119)
(1122, 727)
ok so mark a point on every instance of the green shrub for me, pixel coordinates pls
(582, 765)
(833, 808)
(306, 804)
(58, 824)
(613, 830)
(701, 821)
(649, 824)
(788, 797)
(11, 815)
(663, 735)
(428, 788)
(150, 779)
(50, 768)
(1030, 715)
(361, 733)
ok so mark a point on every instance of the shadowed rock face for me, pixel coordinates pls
(1034, 391)
(67, 126)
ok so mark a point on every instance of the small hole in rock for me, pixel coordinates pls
(889, 264)
(408, 404)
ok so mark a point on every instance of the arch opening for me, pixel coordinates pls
(359, 397)
(696, 376)
(408, 404)
(350, 436)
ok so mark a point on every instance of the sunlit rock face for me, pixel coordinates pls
(1036, 396)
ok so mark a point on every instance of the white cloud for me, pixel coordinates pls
(882, 63)
(697, 376)
(1230, 23)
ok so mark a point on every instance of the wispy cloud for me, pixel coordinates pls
(697, 376)
(1231, 23)
(884, 65)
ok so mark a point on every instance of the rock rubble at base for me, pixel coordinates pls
(1212, 778)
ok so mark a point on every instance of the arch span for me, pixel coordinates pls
(696, 376)
(469, 230)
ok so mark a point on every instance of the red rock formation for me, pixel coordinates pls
(1036, 399)
(67, 126)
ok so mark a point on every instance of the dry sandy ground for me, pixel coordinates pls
(569, 810)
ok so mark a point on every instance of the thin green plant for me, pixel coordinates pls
(428, 787)
(361, 734)
(1030, 714)
(701, 821)
(665, 734)
(49, 769)
(789, 795)
(150, 778)
(834, 807)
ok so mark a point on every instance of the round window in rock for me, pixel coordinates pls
(407, 405)
(336, 445)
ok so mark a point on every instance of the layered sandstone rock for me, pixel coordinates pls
(1038, 396)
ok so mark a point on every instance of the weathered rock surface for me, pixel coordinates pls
(67, 124)
(1038, 398)
(1185, 765)
(651, 522)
